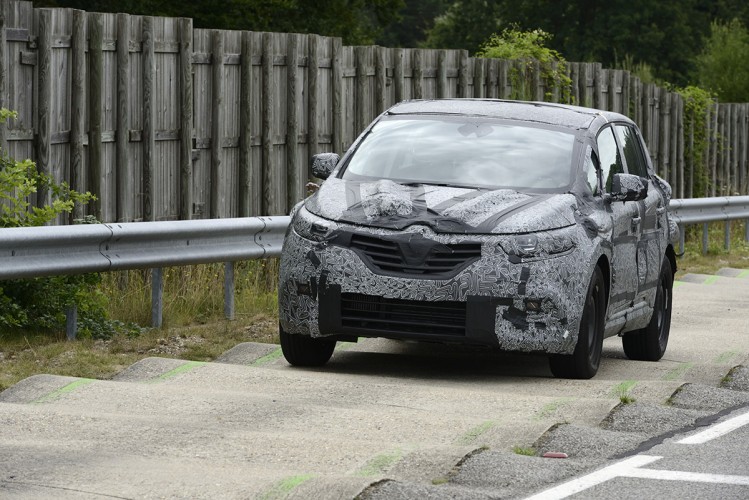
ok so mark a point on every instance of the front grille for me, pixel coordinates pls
(402, 316)
(438, 259)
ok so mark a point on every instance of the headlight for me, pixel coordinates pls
(543, 244)
(310, 226)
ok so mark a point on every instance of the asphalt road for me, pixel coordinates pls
(387, 419)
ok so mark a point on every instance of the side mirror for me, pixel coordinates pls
(321, 165)
(628, 187)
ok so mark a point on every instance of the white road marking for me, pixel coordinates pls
(717, 430)
(695, 477)
(595, 478)
(631, 467)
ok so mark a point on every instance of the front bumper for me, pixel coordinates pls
(326, 290)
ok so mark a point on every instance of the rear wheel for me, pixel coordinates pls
(303, 350)
(584, 361)
(649, 344)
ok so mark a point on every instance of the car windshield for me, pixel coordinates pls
(464, 151)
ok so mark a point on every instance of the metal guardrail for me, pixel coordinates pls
(705, 210)
(28, 252)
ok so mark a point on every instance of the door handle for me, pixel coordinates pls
(660, 210)
(636, 221)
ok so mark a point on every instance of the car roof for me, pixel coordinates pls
(563, 115)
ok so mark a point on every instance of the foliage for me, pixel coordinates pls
(465, 24)
(530, 46)
(666, 34)
(40, 303)
(723, 65)
(356, 21)
(641, 70)
(697, 104)
(414, 20)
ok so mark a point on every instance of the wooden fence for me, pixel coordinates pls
(163, 121)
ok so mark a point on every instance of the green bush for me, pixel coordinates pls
(39, 303)
(528, 46)
(697, 103)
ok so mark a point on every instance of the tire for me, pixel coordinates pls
(303, 350)
(649, 343)
(583, 363)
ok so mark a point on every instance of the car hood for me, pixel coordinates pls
(390, 205)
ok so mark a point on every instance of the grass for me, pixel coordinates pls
(693, 261)
(521, 450)
(622, 391)
(194, 328)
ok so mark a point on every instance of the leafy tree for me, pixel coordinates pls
(664, 34)
(415, 19)
(723, 65)
(466, 24)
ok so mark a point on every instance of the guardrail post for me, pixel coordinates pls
(71, 321)
(727, 236)
(682, 238)
(704, 238)
(157, 297)
(746, 230)
(229, 290)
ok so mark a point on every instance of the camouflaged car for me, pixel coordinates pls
(520, 226)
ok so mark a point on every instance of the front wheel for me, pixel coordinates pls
(649, 344)
(303, 350)
(584, 361)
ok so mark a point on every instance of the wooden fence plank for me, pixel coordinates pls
(537, 82)
(743, 159)
(218, 196)
(248, 195)
(398, 79)
(44, 37)
(96, 59)
(505, 80)
(337, 96)
(124, 190)
(734, 148)
(149, 132)
(442, 74)
(77, 106)
(492, 78)
(361, 89)
(713, 157)
(479, 84)
(3, 78)
(463, 75)
(186, 102)
(417, 66)
(269, 171)
(381, 75)
(297, 176)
